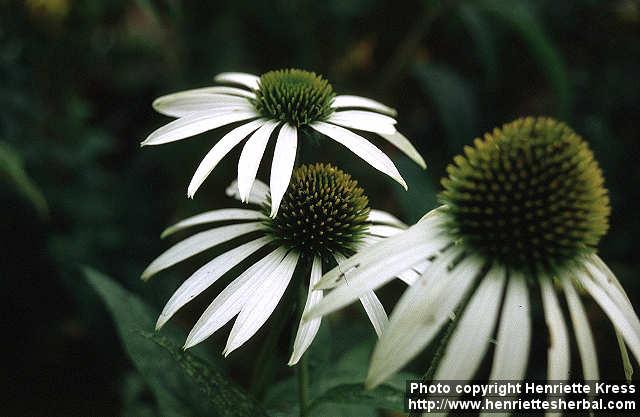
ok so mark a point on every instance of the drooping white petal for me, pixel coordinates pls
(181, 105)
(609, 283)
(196, 244)
(307, 330)
(194, 124)
(375, 311)
(607, 280)
(472, 335)
(382, 217)
(372, 305)
(204, 277)
(261, 303)
(626, 323)
(258, 194)
(364, 120)
(514, 333)
(420, 313)
(361, 147)
(397, 253)
(558, 351)
(251, 156)
(398, 140)
(219, 151)
(584, 337)
(231, 300)
(384, 230)
(624, 355)
(233, 91)
(213, 216)
(374, 267)
(284, 157)
(248, 80)
(362, 102)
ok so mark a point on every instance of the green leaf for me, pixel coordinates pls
(184, 384)
(383, 396)
(12, 171)
(519, 16)
(454, 99)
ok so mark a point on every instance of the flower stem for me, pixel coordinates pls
(303, 365)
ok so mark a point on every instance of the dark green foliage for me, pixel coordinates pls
(324, 211)
(184, 384)
(77, 82)
(294, 96)
(529, 194)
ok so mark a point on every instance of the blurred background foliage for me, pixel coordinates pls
(76, 82)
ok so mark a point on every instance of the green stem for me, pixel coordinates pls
(303, 365)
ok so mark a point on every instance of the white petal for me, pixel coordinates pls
(362, 102)
(209, 90)
(213, 216)
(420, 313)
(204, 277)
(261, 303)
(194, 124)
(606, 280)
(384, 230)
(307, 330)
(284, 157)
(375, 266)
(196, 244)
(219, 151)
(372, 305)
(248, 80)
(251, 156)
(558, 351)
(626, 323)
(258, 194)
(379, 216)
(411, 275)
(231, 300)
(361, 147)
(584, 337)
(364, 120)
(472, 335)
(375, 311)
(514, 334)
(398, 140)
(412, 246)
(624, 355)
(183, 104)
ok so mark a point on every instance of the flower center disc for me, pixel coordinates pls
(529, 195)
(294, 96)
(324, 211)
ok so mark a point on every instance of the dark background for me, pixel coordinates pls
(76, 83)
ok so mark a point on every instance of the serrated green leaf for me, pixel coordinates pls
(183, 383)
(12, 171)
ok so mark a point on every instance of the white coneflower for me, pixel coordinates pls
(523, 211)
(324, 218)
(285, 101)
